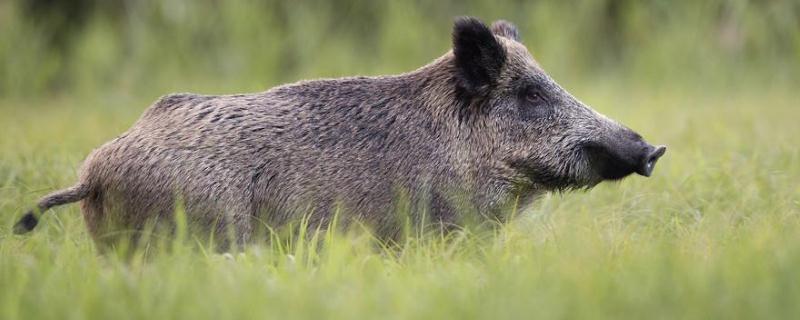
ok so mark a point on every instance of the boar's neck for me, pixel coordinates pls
(460, 144)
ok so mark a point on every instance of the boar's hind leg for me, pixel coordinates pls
(122, 219)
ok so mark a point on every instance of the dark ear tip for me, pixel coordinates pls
(462, 20)
(467, 23)
(505, 29)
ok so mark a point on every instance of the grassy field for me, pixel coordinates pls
(714, 234)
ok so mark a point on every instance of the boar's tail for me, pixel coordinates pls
(31, 218)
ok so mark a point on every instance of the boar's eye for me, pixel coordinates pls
(534, 96)
(533, 104)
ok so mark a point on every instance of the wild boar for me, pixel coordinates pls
(479, 129)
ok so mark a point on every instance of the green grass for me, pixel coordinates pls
(715, 233)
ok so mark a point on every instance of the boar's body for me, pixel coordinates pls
(479, 130)
(357, 144)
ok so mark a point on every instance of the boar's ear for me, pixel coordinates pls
(505, 29)
(479, 56)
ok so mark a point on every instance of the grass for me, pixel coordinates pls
(715, 233)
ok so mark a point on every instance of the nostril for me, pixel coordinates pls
(660, 150)
(649, 162)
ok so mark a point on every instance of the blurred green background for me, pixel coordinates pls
(150, 47)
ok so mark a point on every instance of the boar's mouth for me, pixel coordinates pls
(538, 175)
(590, 164)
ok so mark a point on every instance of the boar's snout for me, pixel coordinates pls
(618, 157)
(648, 163)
